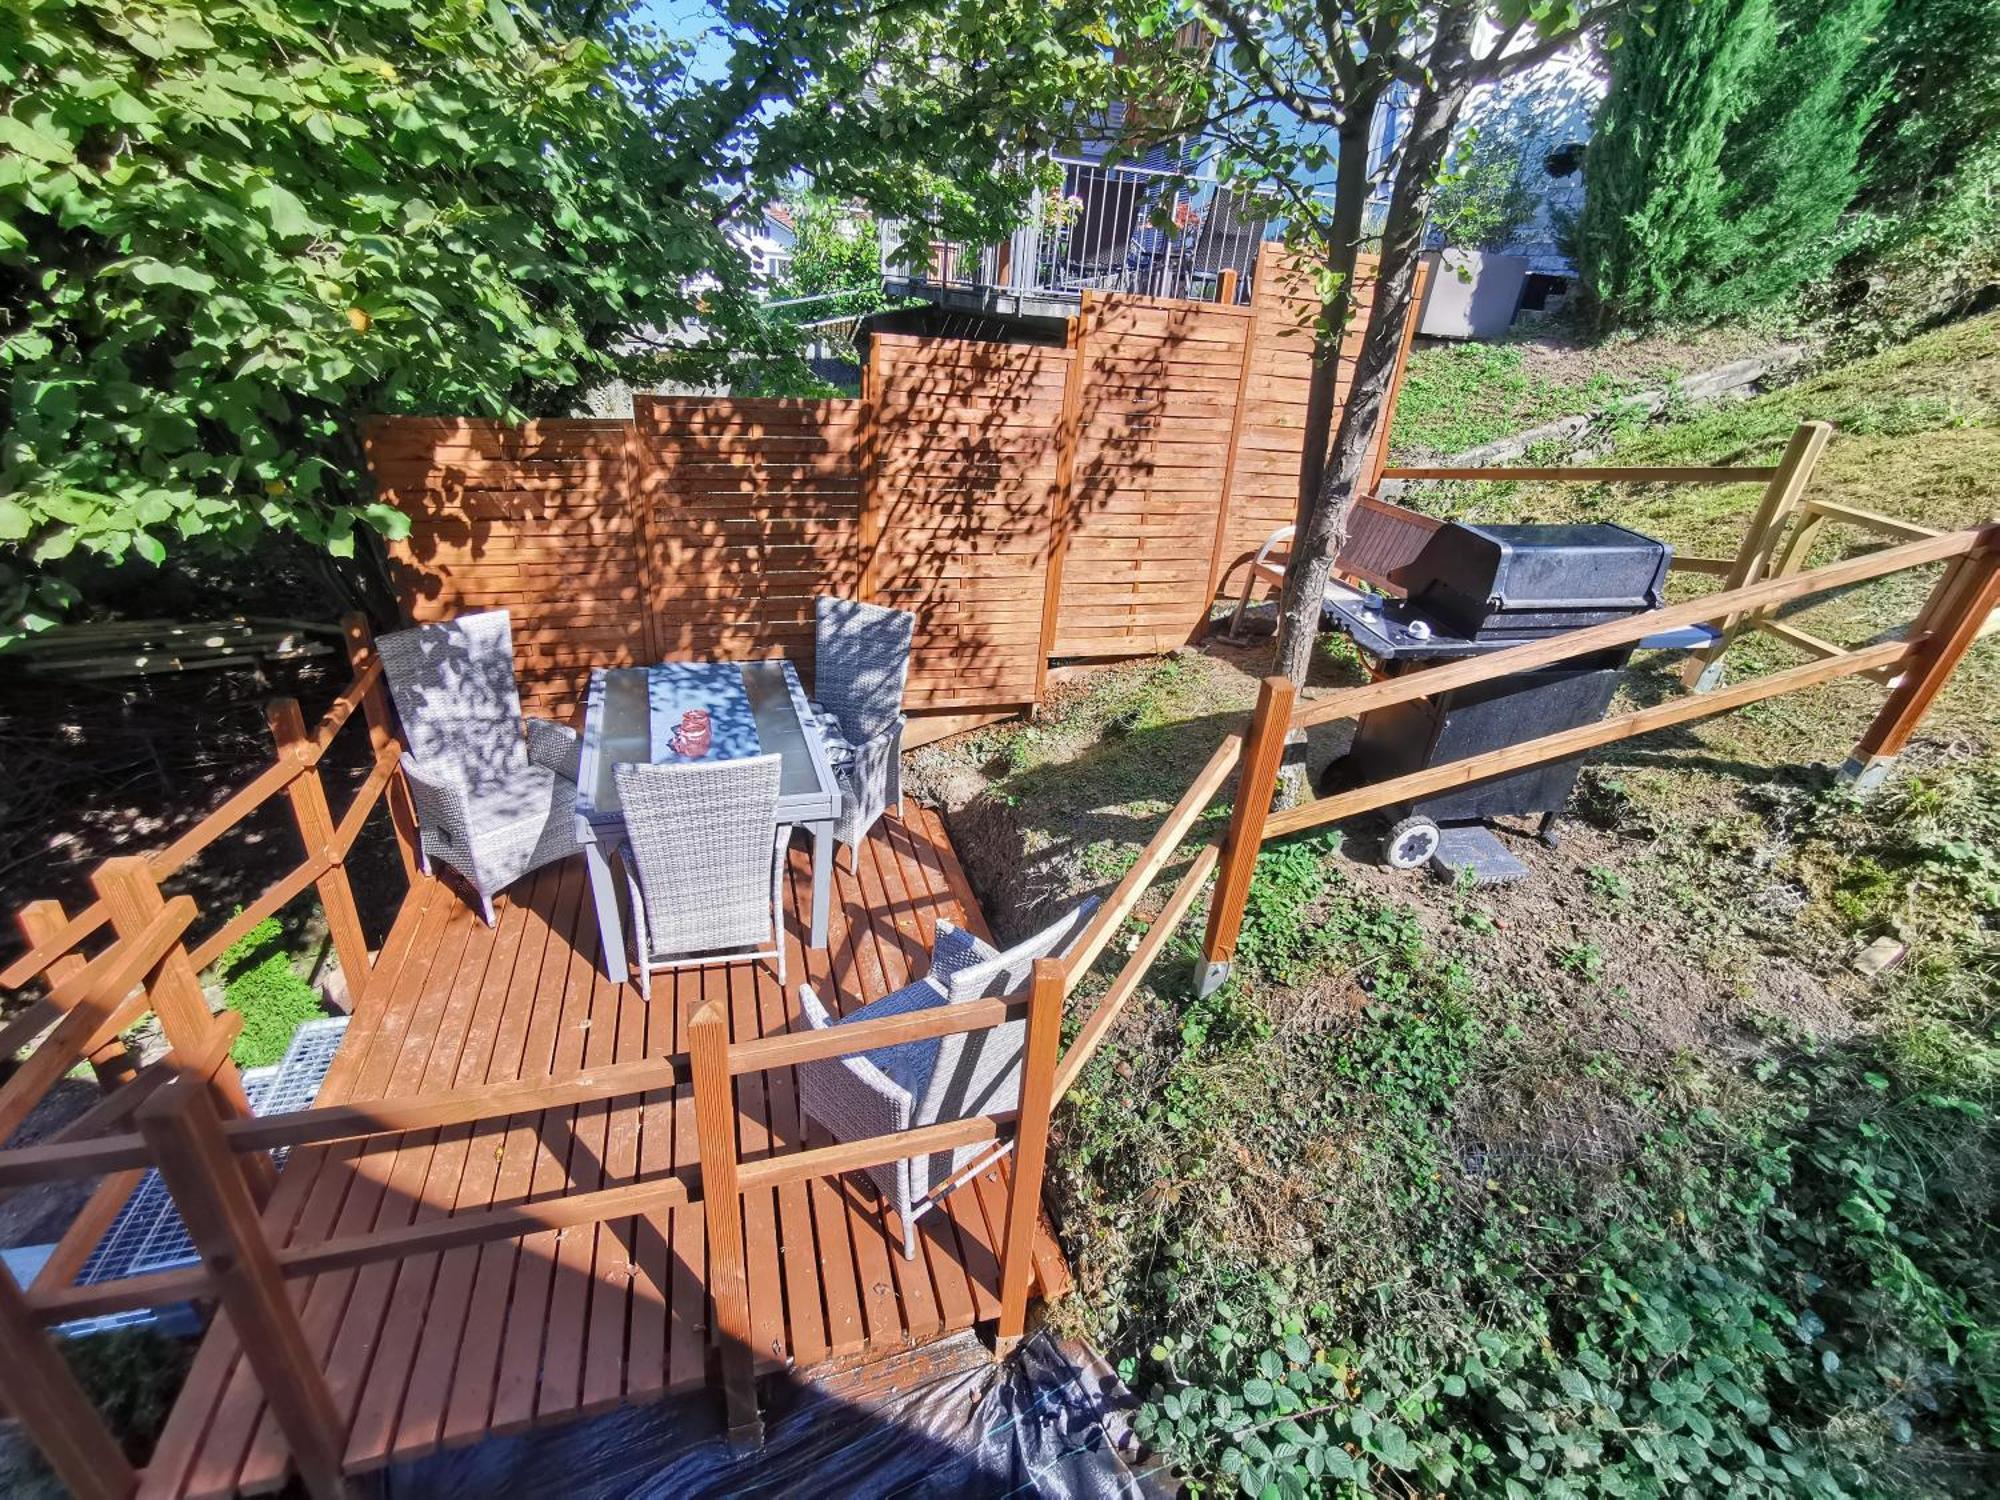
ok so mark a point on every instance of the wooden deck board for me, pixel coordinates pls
(442, 1349)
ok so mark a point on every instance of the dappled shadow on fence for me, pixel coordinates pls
(1023, 499)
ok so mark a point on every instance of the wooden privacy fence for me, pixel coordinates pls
(1026, 501)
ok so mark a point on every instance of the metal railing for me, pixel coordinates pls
(1150, 231)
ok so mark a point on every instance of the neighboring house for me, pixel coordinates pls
(1101, 231)
(769, 242)
(1547, 114)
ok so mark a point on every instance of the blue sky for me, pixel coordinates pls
(695, 21)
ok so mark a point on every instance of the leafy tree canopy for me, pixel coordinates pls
(838, 251)
(230, 230)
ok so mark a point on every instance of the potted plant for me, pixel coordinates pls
(1482, 202)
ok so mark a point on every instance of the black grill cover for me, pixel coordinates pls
(1487, 582)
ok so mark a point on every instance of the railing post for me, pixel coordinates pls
(1703, 669)
(1225, 291)
(42, 1393)
(40, 921)
(1031, 1149)
(131, 895)
(722, 1206)
(1062, 499)
(868, 445)
(1256, 783)
(1954, 617)
(381, 731)
(185, 1133)
(315, 824)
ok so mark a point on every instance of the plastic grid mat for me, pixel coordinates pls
(148, 1234)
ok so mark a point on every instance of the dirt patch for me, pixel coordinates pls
(1590, 934)
(1564, 352)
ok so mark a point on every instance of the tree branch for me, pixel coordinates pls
(1500, 63)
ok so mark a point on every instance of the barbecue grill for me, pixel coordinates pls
(1471, 590)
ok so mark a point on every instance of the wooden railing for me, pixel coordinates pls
(1784, 490)
(151, 964)
(201, 1150)
(1917, 666)
(186, 1115)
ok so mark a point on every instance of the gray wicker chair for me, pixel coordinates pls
(861, 661)
(495, 793)
(940, 1078)
(704, 856)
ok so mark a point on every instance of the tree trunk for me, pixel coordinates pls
(1342, 251)
(1323, 525)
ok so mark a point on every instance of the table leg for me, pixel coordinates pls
(823, 846)
(604, 896)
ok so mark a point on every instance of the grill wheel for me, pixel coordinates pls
(1410, 844)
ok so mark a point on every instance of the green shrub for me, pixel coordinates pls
(132, 1376)
(260, 984)
(1726, 157)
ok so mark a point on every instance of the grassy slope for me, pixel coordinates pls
(1458, 396)
(1616, 1177)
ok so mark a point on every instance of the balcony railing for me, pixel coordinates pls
(1145, 230)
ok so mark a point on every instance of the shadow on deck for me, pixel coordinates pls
(445, 1348)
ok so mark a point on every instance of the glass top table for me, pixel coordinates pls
(618, 728)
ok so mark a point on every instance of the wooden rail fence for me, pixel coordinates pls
(188, 1119)
(1082, 500)
(151, 965)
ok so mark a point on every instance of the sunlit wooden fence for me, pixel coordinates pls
(1078, 500)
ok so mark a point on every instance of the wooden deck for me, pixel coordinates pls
(442, 1349)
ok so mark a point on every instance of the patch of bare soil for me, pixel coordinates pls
(1589, 929)
(1564, 352)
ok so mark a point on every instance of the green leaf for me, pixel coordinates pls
(1392, 1444)
(287, 214)
(1259, 1392)
(149, 272)
(1573, 1384)
(502, 21)
(41, 142)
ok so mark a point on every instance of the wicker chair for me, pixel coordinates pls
(704, 855)
(939, 1078)
(861, 660)
(495, 793)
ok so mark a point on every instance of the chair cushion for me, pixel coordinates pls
(838, 751)
(907, 1064)
(531, 793)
